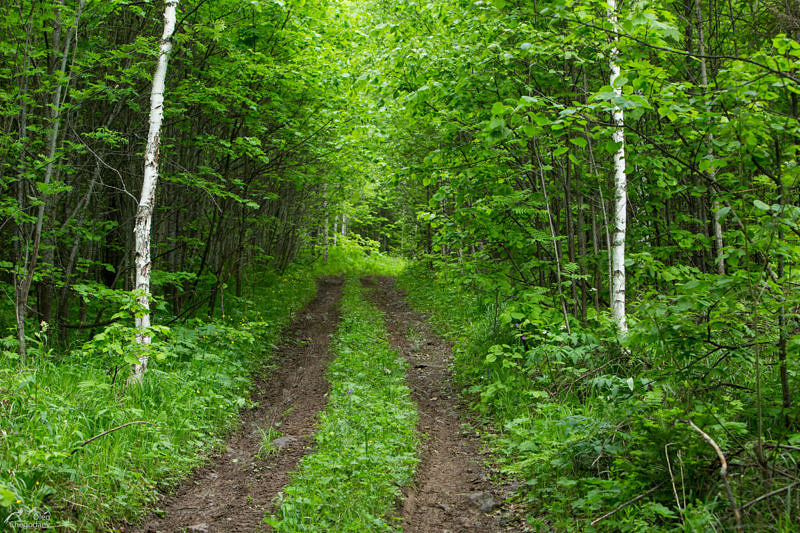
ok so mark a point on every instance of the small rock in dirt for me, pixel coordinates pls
(470, 524)
(513, 486)
(198, 528)
(282, 443)
(483, 501)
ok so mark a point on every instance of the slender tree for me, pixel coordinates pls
(620, 187)
(24, 276)
(144, 213)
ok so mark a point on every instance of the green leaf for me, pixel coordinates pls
(539, 119)
(530, 130)
(6, 497)
(722, 213)
(580, 142)
(760, 205)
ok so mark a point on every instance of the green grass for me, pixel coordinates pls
(350, 256)
(189, 401)
(365, 444)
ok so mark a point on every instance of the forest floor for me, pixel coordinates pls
(452, 490)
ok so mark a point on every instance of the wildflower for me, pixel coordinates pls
(19, 501)
(516, 325)
(524, 337)
(198, 391)
(349, 391)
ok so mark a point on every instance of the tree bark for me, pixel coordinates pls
(144, 213)
(620, 191)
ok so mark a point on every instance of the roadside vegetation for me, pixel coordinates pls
(611, 436)
(52, 410)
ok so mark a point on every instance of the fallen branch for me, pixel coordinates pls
(87, 441)
(627, 503)
(672, 480)
(783, 447)
(723, 471)
(769, 495)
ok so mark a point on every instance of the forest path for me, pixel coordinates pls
(452, 491)
(234, 492)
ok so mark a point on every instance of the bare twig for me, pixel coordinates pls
(627, 503)
(783, 447)
(769, 495)
(588, 373)
(672, 478)
(87, 441)
(723, 471)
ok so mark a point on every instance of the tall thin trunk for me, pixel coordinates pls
(144, 213)
(327, 221)
(620, 190)
(711, 174)
(556, 250)
(24, 277)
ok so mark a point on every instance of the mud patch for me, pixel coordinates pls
(234, 492)
(452, 490)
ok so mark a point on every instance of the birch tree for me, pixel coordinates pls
(620, 187)
(144, 213)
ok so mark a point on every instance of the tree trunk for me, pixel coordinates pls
(327, 221)
(711, 173)
(620, 192)
(24, 276)
(144, 213)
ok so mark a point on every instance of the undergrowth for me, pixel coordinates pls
(365, 443)
(600, 434)
(50, 470)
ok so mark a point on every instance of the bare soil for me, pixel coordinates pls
(236, 489)
(453, 491)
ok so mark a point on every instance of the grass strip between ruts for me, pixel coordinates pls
(366, 441)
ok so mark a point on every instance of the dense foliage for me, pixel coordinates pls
(249, 124)
(501, 128)
(478, 137)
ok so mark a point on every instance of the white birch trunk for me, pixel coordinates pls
(144, 213)
(620, 191)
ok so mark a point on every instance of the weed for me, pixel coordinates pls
(266, 448)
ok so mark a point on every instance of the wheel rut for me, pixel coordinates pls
(452, 491)
(233, 493)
